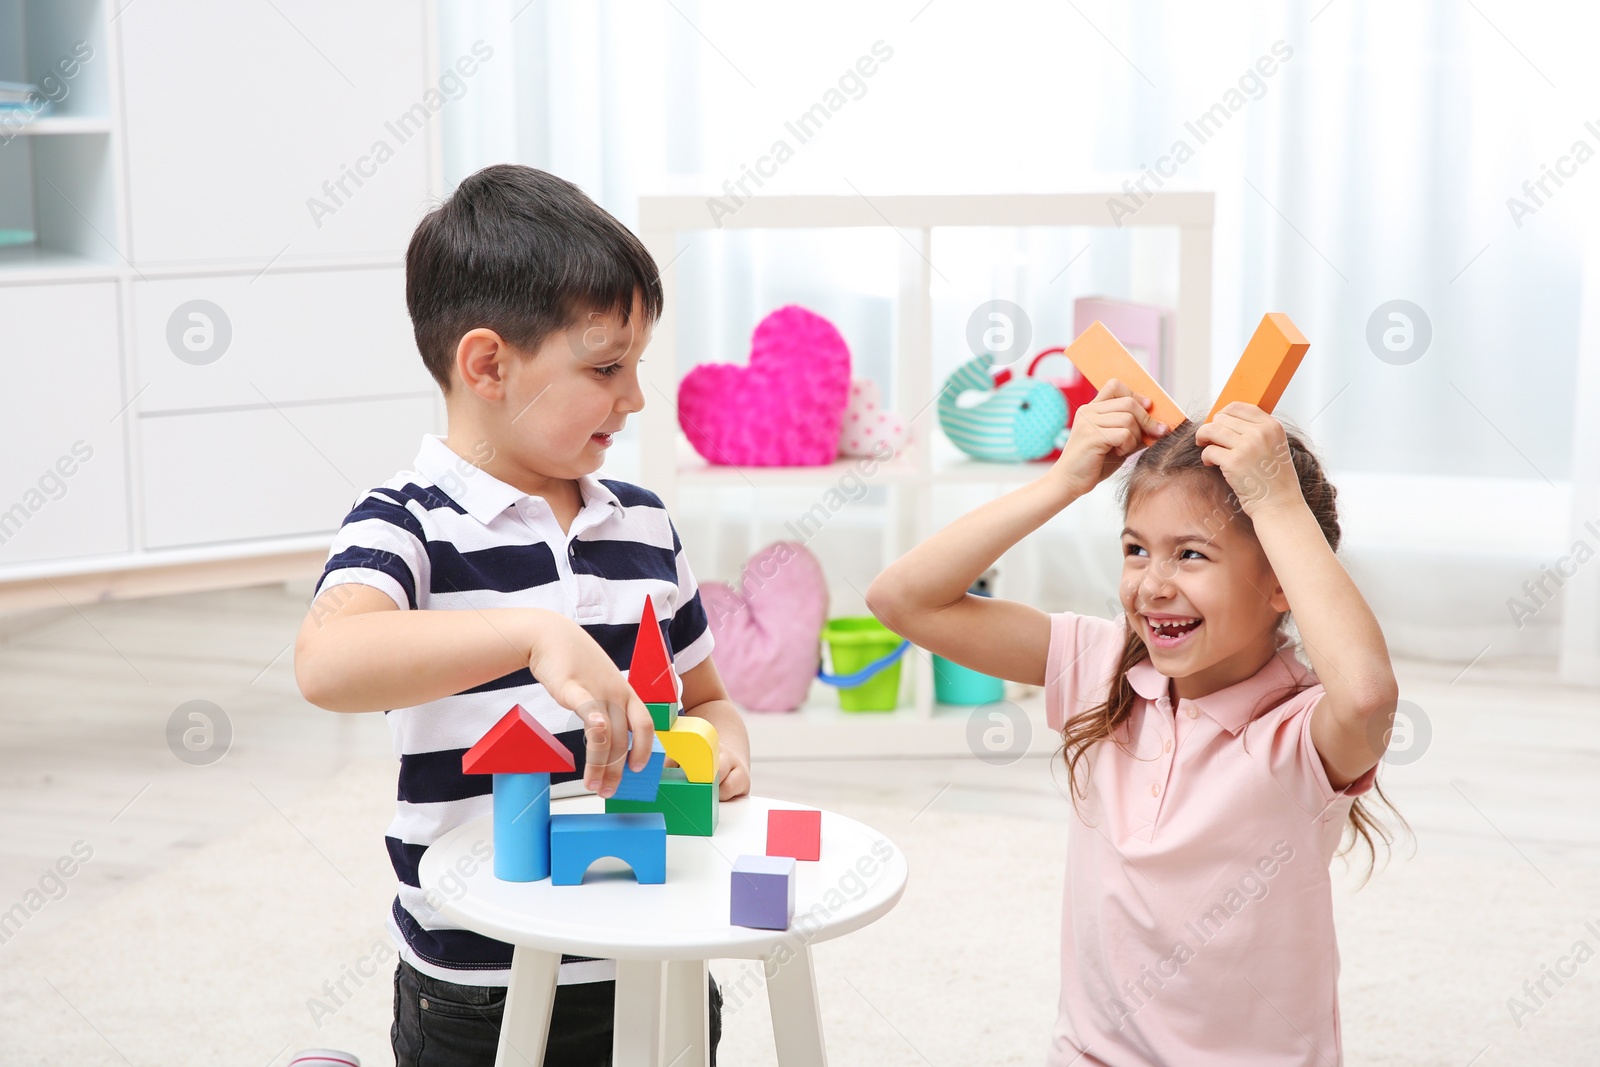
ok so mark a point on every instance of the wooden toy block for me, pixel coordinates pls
(797, 834)
(692, 744)
(663, 715)
(521, 827)
(1100, 357)
(517, 744)
(641, 785)
(639, 840)
(520, 754)
(692, 809)
(1269, 361)
(650, 670)
(761, 892)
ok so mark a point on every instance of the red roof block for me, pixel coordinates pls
(517, 744)
(650, 672)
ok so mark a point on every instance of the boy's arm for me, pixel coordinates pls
(1343, 641)
(357, 651)
(705, 696)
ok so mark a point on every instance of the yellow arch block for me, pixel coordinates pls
(692, 745)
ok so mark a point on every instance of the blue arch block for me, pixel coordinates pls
(639, 840)
(521, 827)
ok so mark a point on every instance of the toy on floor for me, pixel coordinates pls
(686, 796)
(1101, 357)
(761, 892)
(796, 834)
(521, 754)
(576, 841)
(1269, 361)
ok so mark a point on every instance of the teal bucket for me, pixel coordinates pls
(955, 684)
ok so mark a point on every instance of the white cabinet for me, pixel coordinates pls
(240, 115)
(212, 341)
(203, 332)
(273, 472)
(63, 485)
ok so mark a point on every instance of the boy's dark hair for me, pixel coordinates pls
(525, 254)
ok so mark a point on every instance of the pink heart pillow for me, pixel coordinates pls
(866, 425)
(767, 634)
(783, 409)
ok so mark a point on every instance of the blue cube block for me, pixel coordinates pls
(761, 892)
(639, 840)
(642, 785)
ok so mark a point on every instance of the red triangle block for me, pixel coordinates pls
(517, 744)
(650, 672)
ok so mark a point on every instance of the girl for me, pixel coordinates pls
(1212, 773)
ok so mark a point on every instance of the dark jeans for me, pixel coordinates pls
(442, 1024)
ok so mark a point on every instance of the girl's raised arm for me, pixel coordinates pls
(923, 595)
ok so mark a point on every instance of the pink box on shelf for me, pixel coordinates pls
(1144, 330)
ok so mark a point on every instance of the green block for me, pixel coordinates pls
(663, 715)
(690, 808)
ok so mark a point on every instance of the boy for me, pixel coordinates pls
(501, 571)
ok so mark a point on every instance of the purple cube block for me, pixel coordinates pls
(762, 892)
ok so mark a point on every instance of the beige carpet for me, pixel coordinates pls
(222, 958)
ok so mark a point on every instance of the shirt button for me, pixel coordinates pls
(1193, 713)
(422, 1002)
(1167, 747)
(1155, 790)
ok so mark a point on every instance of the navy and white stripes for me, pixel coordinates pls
(450, 536)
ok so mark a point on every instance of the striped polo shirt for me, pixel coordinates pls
(448, 535)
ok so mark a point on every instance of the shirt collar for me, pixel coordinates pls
(481, 494)
(1232, 708)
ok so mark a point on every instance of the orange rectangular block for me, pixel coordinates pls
(1100, 357)
(1269, 361)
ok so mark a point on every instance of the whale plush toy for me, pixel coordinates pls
(1024, 419)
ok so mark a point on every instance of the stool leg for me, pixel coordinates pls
(641, 991)
(796, 1015)
(529, 998)
(688, 1014)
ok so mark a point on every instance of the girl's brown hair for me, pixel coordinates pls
(1177, 456)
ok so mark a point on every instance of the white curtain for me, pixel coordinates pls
(1360, 153)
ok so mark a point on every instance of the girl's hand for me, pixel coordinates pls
(1105, 432)
(1252, 450)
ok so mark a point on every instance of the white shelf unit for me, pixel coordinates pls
(668, 463)
(178, 165)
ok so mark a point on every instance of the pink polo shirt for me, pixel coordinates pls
(1197, 929)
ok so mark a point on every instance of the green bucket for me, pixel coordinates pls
(955, 684)
(865, 656)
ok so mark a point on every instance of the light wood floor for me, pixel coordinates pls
(1512, 770)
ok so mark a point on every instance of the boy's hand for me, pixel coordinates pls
(1105, 432)
(581, 677)
(733, 774)
(1252, 450)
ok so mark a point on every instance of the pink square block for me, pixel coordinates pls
(794, 833)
